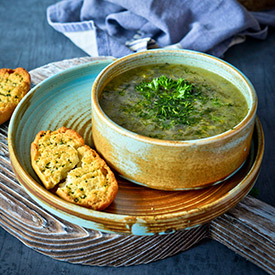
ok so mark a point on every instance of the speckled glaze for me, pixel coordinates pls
(173, 165)
(64, 99)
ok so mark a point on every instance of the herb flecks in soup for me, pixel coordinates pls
(173, 102)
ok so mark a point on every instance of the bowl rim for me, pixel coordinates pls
(124, 132)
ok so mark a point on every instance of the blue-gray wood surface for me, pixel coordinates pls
(28, 41)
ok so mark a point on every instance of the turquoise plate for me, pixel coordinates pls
(65, 100)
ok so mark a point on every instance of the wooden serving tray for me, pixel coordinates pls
(248, 229)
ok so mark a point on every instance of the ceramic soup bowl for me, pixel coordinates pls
(168, 164)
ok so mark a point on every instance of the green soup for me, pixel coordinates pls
(173, 102)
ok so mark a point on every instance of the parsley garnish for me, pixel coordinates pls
(167, 101)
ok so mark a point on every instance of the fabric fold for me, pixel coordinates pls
(120, 27)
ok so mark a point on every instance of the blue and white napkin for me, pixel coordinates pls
(119, 27)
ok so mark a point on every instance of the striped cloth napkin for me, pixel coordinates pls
(120, 27)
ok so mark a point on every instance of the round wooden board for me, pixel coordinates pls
(62, 240)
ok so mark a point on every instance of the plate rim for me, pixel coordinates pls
(21, 172)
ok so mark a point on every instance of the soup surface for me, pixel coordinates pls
(173, 102)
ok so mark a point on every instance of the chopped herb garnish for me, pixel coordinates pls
(167, 101)
(216, 101)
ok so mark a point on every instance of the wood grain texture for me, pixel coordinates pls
(248, 229)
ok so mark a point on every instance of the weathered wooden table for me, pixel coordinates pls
(248, 229)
